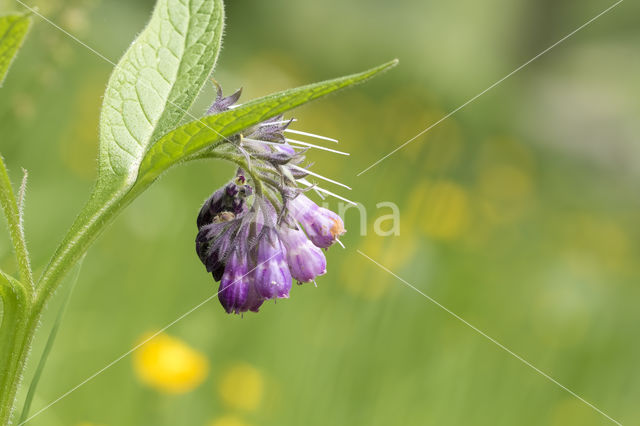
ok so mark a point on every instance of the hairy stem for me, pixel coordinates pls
(92, 220)
(48, 346)
(16, 231)
(16, 334)
(22, 314)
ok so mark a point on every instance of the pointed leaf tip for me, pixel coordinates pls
(13, 29)
(155, 83)
(189, 139)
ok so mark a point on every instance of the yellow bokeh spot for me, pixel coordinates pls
(229, 421)
(506, 192)
(169, 365)
(440, 148)
(600, 239)
(440, 209)
(393, 252)
(242, 387)
(573, 412)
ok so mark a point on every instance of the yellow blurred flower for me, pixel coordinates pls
(506, 192)
(169, 365)
(241, 387)
(229, 420)
(439, 149)
(440, 209)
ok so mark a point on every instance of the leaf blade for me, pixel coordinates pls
(193, 137)
(155, 83)
(120, 153)
(13, 29)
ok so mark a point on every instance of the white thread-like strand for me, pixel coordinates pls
(293, 120)
(311, 135)
(320, 194)
(490, 87)
(491, 339)
(302, 169)
(309, 184)
(139, 345)
(310, 145)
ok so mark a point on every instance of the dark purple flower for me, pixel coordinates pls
(235, 284)
(250, 240)
(225, 203)
(213, 245)
(271, 274)
(254, 300)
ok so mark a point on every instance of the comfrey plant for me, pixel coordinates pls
(255, 251)
(255, 235)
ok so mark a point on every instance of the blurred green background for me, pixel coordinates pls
(520, 214)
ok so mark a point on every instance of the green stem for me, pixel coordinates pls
(16, 334)
(96, 214)
(92, 220)
(14, 220)
(48, 346)
(21, 318)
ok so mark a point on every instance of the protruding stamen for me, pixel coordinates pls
(271, 123)
(264, 142)
(309, 184)
(311, 135)
(320, 176)
(293, 141)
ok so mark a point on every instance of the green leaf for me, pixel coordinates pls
(149, 92)
(13, 29)
(193, 138)
(155, 83)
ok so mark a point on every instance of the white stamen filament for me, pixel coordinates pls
(262, 142)
(278, 122)
(320, 176)
(311, 135)
(293, 141)
(309, 184)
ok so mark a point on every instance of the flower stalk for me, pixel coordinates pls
(16, 334)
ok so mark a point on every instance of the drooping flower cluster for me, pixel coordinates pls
(260, 231)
